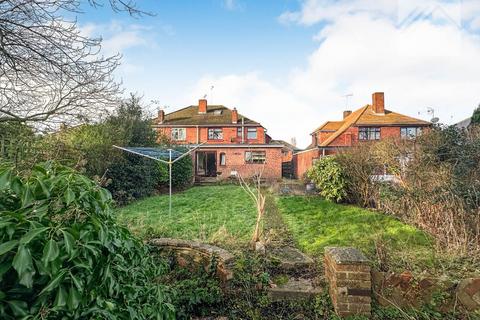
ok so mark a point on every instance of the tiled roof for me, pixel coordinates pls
(370, 118)
(330, 126)
(365, 116)
(286, 144)
(464, 123)
(216, 115)
(347, 123)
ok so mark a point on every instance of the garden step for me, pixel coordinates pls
(294, 289)
(202, 181)
(290, 259)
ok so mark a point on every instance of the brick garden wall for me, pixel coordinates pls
(352, 285)
(348, 274)
(304, 161)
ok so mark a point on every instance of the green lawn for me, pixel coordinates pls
(316, 224)
(222, 215)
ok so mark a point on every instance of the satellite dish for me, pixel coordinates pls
(434, 120)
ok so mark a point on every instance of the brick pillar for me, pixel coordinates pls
(348, 274)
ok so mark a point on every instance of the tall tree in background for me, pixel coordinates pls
(476, 116)
(49, 72)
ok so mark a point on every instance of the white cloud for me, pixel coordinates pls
(280, 111)
(232, 5)
(118, 37)
(400, 12)
(419, 64)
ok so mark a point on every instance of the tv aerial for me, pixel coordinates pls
(156, 104)
(431, 112)
(347, 98)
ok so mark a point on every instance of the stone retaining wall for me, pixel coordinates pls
(195, 254)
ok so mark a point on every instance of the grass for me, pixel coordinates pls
(222, 215)
(316, 223)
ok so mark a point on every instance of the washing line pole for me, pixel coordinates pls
(169, 162)
(170, 182)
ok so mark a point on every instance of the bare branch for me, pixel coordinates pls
(50, 73)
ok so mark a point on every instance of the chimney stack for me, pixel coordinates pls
(161, 116)
(346, 113)
(234, 115)
(378, 102)
(202, 106)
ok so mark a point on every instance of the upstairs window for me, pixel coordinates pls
(215, 134)
(255, 156)
(252, 133)
(179, 134)
(410, 132)
(368, 133)
(239, 132)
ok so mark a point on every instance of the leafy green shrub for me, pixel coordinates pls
(182, 173)
(132, 177)
(476, 116)
(329, 178)
(62, 255)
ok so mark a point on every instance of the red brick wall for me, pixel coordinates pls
(323, 135)
(235, 161)
(304, 160)
(350, 136)
(229, 135)
(347, 138)
(287, 155)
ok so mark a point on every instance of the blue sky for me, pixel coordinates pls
(287, 63)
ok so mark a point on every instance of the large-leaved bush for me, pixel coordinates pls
(329, 178)
(63, 256)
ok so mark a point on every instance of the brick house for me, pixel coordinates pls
(370, 123)
(234, 144)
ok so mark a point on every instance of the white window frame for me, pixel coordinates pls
(215, 136)
(256, 157)
(179, 134)
(410, 132)
(250, 131)
(369, 133)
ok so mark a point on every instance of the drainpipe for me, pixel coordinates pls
(243, 130)
(198, 141)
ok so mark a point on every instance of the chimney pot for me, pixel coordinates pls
(161, 116)
(234, 115)
(346, 113)
(202, 106)
(378, 102)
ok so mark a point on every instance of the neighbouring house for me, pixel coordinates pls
(233, 144)
(370, 123)
(464, 124)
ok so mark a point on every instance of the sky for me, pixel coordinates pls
(289, 64)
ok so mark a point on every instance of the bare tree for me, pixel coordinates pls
(49, 72)
(255, 192)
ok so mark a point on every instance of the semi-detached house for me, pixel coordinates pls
(234, 144)
(371, 122)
